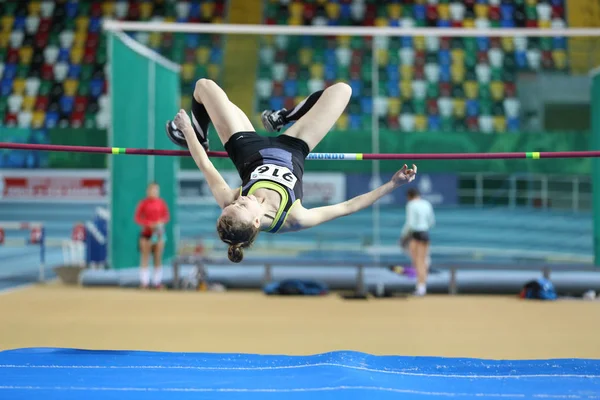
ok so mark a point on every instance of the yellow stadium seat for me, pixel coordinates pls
(382, 21)
(342, 122)
(202, 55)
(146, 10)
(79, 39)
(170, 19)
(343, 41)
(186, 102)
(4, 39)
(155, 40)
(394, 106)
(471, 88)
(38, 119)
(322, 1)
(298, 99)
(419, 42)
(531, 3)
(108, 8)
(295, 21)
(560, 59)
(81, 23)
(305, 56)
(481, 10)
(216, 20)
(76, 55)
(508, 44)
(394, 11)
(459, 108)
(458, 56)
(19, 86)
(406, 89)
(457, 73)
(420, 123)
(28, 103)
(497, 89)
(469, 23)
(34, 8)
(499, 124)
(7, 22)
(332, 10)
(207, 9)
(443, 11)
(296, 9)
(317, 71)
(383, 56)
(70, 86)
(213, 71)
(187, 72)
(406, 72)
(25, 54)
(544, 24)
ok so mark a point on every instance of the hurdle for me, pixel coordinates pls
(37, 236)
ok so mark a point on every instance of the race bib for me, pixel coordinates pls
(275, 173)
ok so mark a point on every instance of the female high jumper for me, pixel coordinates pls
(271, 168)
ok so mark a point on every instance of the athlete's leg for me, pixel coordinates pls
(211, 104)
(318, 120)
(274, 120)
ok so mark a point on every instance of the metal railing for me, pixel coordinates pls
(560, 192)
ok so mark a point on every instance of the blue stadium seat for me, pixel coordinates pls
(393, 90)
(71, 9)
(444, 23)
(6, 86)
(445, 73)
(192, 40)
(354, 122)
(330, 73)
(434, 122)
(66, 104)
(96, 87)
(290, 88)
(10, 71)
(483, 43)
(52, 118)
(356, 85)
(366, 105)
(521, 59)
(472, 108)
(512, 124)
(95, 24)
(64, 55)
(392, 72)
(444, 57)
(19, 23)
(74, 71)
(276, 103)
(216, 55)
(194, 11)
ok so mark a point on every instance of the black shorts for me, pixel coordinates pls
(249, 150)
(420, 236)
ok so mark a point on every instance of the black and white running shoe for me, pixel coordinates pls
(273, 120)
(176, 136)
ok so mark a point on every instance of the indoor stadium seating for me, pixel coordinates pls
(425, 84)
(53, 56)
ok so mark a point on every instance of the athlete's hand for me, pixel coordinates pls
(405, 175)
(182, 121)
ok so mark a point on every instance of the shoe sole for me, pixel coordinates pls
(266, 123)
(171, 138)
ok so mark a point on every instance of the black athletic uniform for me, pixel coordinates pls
(275, 163)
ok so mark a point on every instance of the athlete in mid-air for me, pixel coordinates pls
(271, 168)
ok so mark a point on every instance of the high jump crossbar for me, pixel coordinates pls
(312, 156)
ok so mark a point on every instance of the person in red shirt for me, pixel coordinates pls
(152, 214)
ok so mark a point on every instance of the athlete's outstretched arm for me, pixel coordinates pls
(221, 191)
(308, 218)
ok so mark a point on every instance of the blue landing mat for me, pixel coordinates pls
(44, 373)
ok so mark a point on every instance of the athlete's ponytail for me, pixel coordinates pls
(237, 235)
(235, 253)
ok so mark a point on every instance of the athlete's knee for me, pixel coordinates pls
(342, 88)
(203, 85)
